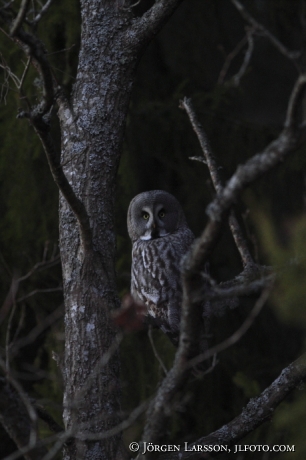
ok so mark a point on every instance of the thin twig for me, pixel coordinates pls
(8, 336)
(61, 51)
(247, 57)
(155, 351)
(293, 55)
(10, 298)
(20, 324)
(39, 291)
(293, 112)
(131, 6)
(234, 338)
(26, 401)
(40, 266)
(230, 58)
(24, 73)
(37, 330)
(42, 11)
(20, 17)
(22, 451)
(217, 181)
(46, 417)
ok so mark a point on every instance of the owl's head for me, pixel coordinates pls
(154, 214)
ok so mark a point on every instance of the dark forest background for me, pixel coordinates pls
(185, 59)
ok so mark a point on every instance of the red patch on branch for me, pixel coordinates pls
(131, 316)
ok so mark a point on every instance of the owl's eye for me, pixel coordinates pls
(161, 213)
(145, 215)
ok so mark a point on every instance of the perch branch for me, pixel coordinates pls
(190, 329)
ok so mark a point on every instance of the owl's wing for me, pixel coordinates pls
(156, 279)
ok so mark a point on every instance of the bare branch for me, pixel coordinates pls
(39, 291)
(193, 264)
(63, 184)
(160, 407)
(234, 338)
(287, 142)
(46, 417)
(35, 50)
(146, 27)
(230, 58)
(39, 118)
(8, 337)
(20, 323)
(10, 298)
(247, 57)
(155, 351)
(292, 117)
(42, 11)
(24, 74)
(24, 451)
(15, 419)
(40, 266)
(32, 438)
(189, 340)
(20, 17)
(217, 181)
(238, 287)
(256, 412)
(131, 6)
(249, 18)
(36, 331)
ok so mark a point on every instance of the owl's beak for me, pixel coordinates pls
(154, 231)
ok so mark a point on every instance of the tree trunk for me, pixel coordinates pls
(92, 131)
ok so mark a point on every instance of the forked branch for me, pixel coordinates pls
(249, 18)
(213, 168)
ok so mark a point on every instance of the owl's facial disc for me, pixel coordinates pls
(154, 227)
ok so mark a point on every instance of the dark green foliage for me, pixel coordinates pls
(29, 214)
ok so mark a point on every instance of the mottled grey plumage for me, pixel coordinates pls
(160, 237)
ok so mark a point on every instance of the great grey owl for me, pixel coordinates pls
(160, 237)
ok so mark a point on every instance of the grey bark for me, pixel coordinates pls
(92, 131)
